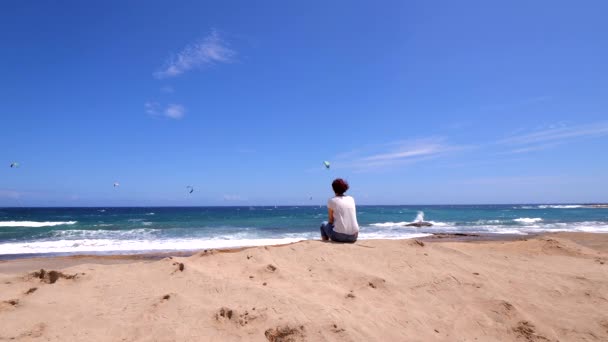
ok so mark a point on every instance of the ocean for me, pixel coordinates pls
(59, 231)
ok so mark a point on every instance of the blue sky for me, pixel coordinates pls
(421, 102)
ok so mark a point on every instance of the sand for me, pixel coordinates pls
(547, 288)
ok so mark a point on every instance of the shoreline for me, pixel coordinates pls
(156, 255)
(23, 262)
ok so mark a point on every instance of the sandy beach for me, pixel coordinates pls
(547, 288)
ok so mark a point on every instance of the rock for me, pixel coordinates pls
(419, 224)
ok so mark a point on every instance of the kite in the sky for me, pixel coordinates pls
(326, 163)
(14, 164)
(116, 184)
(191, 189)
(311, 198)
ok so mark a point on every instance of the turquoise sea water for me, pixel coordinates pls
(128, 230)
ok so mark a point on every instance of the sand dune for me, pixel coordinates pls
(548, 288)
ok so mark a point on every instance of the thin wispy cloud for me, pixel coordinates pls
(532, 148)
(395, 154)
(208, 51)
(175, 111)
(152, 108)
(554, 136)
(172, 111)
(407, 152)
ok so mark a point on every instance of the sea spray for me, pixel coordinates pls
(419, 217)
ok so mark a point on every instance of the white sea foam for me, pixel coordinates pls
(552, 206)
(377, 235)
(586, 226)
(150, 214)
(158, 245)
(503, 230)
(389, 224)
(483, 222)
(440, 224)
(34, 223)
(528, 220)
(109, 245)
(103, 234)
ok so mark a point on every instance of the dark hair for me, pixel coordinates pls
(340, 186)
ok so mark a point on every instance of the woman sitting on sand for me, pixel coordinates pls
(342, 225)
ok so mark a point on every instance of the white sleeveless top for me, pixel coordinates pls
(345, 214)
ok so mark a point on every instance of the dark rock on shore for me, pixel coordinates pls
(419, 224)
(453, 235)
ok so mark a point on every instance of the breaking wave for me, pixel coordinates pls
(403, 224)
(528, 220)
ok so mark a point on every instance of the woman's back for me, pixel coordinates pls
(345, 214)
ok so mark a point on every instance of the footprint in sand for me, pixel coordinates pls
(180, 266)
(336, 329)
(285, 333)
(226, 315)
(508, 306)
(35, 332)
(417, 243)
(503, 312)
(162, 300)
(376, 283)
(13, 303)
(9, 304)
(51, 277)
(527, 331)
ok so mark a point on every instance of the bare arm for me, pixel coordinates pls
(330, 213)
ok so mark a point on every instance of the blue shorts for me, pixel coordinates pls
(327, 231)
